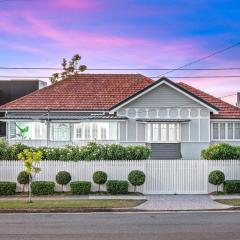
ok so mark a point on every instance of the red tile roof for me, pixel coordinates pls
(82, 92)
(102, 92)
(226, 110)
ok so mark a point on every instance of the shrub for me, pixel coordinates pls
(137, 152)
(99, 178)
(80, 187)
(63, 178)
(232, 186)
(23, 179)
(221, 151)
(136, 178)
(117, 187)
(216, 178)
(42, 188)
(90, 152)
(7, 188)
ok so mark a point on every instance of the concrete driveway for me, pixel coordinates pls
(180, 202)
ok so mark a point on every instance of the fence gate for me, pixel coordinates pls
(176, 177)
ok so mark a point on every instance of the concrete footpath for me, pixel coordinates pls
(180, 203)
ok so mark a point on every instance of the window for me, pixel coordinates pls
(225, 130)
(28, 130)
(215, 131)
(163, 132)
(96, 131)
(230, 130)
(60, 131)
(155, 132)
(237, 130)
(222, 131)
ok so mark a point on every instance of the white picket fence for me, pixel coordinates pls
(162, 176)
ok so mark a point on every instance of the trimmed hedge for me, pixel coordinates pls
(232, 186)
(100, 178)
(42, 187)
(136, 178)
(221, 151)
(90, 152)
(63, 178)
(7, 188)
(80, 187)
(216, 178)
(117, 187)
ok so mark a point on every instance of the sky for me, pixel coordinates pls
(124, 34)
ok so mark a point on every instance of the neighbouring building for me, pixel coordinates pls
(13, 89)
(176, 120)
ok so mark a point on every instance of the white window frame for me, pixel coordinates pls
(149, 132)
(99, 131)
(226, 130)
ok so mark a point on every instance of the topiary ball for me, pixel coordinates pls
(136, 177)
(23, 178)
(100, 177)
(216, 177)
(63, 178)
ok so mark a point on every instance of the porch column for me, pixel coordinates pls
(48, 132)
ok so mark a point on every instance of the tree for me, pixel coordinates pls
(31, 161)
(69, 68)
(216, 178)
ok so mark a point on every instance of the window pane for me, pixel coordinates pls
(40, 130)
(222, 130)
(237, 130)
(230, 130)
(23, 130)
(149, 132)
(215, 131)
(155, 132)
(61, 132)
(78, 131)
(163, 132)
(87, 132)
(172, 132)
(113, 130)
(95, 131)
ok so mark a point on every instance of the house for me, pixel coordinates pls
(13, 89)
(174, 119)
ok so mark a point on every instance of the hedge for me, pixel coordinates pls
(232, 186)
(7, 188)
(90, 152)
(221, 151)
(42, 187)
(117, 187)
(80, 187)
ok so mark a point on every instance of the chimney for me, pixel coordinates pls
(238, 99)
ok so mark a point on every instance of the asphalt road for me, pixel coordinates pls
(147, 226)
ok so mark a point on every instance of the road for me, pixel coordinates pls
(147, 226)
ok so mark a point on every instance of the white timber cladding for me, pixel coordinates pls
(162, 176)
(198, 129)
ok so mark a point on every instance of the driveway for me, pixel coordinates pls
(180, 202)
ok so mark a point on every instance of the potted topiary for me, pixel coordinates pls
(23, 179)
(99, 178)
(136, 178)
(63, 178)
(216, 178)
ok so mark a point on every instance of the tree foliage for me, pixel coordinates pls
(70, 68)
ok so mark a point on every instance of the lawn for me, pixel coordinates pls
(51, 204)
(233, 202)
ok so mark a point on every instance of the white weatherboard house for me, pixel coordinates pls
(175, 120)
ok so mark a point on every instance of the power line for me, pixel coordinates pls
(232, 76)
(203, 58)
(123, 69)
